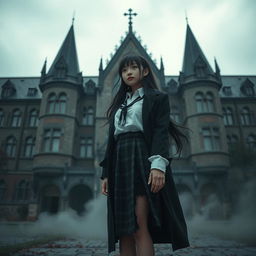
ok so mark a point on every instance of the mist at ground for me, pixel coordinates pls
(241, 227)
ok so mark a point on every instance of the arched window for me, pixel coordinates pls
(251, 141)
(1, 118)
(199, 102)
(11, 146)
(33, 118)
(62, 103)
(22, 191)
(175, 114)
(209, 102)
(16, 118)
(86, 147)
(88, 116)
(51, 104)
(2, 189)
(29, 147)
(245, 116)
(228, 116)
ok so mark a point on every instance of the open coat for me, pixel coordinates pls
(155, 118)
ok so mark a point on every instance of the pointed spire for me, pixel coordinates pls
(101, 65)
(161, 64)
(66, 61)
(43, 71)
(194, 61)
(217, 69)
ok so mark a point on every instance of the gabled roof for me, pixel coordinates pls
(67, 56)
(130, 45)
(193, 55)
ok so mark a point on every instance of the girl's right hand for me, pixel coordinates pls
(104, 187)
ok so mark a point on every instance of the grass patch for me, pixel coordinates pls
(10, 249)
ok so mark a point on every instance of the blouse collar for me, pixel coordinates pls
(138, 92)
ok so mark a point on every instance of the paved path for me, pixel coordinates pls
(200, 246)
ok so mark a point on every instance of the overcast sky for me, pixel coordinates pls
(32, 30)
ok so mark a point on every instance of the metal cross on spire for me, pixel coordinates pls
(130, 14)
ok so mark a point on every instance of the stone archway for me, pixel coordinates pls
(50, 199)
(79, 195)
(186, 200)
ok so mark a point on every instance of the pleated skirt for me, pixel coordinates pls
(131, 172)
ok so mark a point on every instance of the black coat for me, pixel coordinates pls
(155, 118)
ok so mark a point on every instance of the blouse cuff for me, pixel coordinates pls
(158, 162)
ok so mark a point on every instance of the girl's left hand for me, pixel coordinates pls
(157, 180)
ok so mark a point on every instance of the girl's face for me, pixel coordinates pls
(132, 75)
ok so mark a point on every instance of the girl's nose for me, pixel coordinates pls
(129, 71)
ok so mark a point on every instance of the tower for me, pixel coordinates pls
(199, 88)
(61, 89)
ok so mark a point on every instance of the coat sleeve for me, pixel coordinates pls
(160, 134)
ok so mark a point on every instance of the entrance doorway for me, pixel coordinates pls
(50, 198)
(78, 196)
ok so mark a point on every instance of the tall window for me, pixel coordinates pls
(11, 146)
(209, 102)
(88, 116)
(199, 102)
(52, 140)
(29, 147)
(57, 104)
(245, 116)
(86, 147)
(251, 141)
(211, 138)
(16, 118)
(204, 102)
(62, 103)
(22, 191)
(2, 189)
(228, 116)
(1, 118)
(51, 103)
(175, 114)
(33, 118)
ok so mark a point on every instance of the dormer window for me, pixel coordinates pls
(90, 87)
(61, 68)
(227, 90)
(247, 88)
(32, 92)
(200, 67)
(8, 89)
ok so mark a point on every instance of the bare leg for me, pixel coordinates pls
(127, 246)
(143, 240)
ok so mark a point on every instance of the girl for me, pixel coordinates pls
(143, 204)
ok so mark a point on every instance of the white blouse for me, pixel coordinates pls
(134, 123)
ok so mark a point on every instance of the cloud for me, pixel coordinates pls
(35, 29)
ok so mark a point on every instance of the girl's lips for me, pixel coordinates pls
(130, 78)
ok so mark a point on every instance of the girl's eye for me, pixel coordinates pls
(124, 70)
(134, 66)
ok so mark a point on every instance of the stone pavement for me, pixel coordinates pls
(200, 246)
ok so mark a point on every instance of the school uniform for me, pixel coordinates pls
(139, 141)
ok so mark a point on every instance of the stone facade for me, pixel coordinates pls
(53, 131)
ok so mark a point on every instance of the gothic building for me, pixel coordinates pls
(53, 132)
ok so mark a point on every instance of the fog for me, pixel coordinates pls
(241, 227)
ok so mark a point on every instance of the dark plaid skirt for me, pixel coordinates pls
(131, 168)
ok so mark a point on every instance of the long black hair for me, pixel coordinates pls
(147, 81)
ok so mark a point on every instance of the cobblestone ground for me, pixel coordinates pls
(200, 246)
